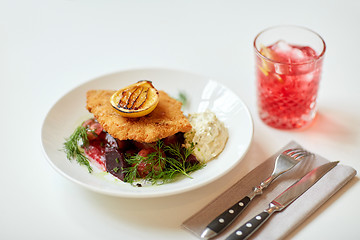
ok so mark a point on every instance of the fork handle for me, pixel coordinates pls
(225, 218)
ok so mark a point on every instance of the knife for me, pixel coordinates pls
(282, 201)
(283, 163)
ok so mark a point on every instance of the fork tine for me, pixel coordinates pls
(297, 153)
(293, 151)
(300, 155)
(289, 151)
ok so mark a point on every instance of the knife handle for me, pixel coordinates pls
(246, 230)
(228, 216)
(249, 227)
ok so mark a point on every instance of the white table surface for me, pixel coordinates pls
(49, 47)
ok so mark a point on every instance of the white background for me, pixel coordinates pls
(48, 47)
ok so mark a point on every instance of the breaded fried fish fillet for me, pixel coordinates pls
(166, 120)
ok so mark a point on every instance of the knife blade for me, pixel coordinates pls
(282, 201)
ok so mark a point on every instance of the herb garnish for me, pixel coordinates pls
(159, 167)
(162, 169)
(72, 149)
(183, 98)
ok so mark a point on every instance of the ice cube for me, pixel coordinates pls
(308, 77)
(297, 56)
(290, 53)
(282, 46)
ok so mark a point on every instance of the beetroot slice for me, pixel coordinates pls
(115, 163)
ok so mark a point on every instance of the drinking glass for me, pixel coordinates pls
(288, 67)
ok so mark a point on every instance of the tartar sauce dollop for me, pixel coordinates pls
(208, 135)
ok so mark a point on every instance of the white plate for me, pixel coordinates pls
(202, 92)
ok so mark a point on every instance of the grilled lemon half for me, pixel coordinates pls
(135, 100)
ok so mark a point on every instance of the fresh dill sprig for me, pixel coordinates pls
(183, 98)
(73, 150)
(152, 166)
(180, 152)
(180, 163)
(131, 172)
(162, 169)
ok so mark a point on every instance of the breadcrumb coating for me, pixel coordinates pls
(166, 120)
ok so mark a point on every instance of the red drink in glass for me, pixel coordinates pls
(288, 75)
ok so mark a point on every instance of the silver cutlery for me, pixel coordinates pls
(281, 201)
(283, 163)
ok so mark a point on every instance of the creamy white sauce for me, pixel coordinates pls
(209, 135)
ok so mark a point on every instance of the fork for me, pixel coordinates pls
(283, 163)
